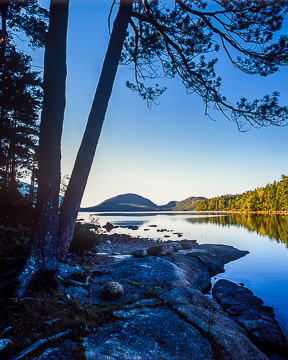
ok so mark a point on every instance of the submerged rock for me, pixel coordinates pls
(248, 310)
(109, 226)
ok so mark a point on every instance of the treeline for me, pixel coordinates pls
(271, 198)
(20, 94)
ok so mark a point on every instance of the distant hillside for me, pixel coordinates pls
(188, 204)
(129, 202)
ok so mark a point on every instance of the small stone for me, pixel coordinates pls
(140, 253)
(111, 291)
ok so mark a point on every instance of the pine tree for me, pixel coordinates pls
(20, 100)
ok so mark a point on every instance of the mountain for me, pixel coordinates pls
(188, 204)
(130, 202)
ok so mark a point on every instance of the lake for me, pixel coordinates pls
(264, 270)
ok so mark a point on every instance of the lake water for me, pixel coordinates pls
(264, 270)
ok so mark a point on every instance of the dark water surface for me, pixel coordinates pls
(264, 270)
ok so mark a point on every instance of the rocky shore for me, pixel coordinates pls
(146, 299)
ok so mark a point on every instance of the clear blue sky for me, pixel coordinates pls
(172, 151)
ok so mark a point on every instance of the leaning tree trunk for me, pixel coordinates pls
(45, 239)
(85, 156)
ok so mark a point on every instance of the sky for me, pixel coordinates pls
(172, 151)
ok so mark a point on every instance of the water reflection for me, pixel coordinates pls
(273, 226)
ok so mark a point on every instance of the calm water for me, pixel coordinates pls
(264, 270)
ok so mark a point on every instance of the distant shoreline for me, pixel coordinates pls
(187, 211)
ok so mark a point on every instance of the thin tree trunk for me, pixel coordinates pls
(44, 243)
(32, 183)
(85, 156)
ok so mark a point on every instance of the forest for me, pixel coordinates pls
(271, 198)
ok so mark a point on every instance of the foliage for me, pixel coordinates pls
(273, 197)
(24, 16)
(15, 232)
(84, 238)
(183, 40)
(20, 91)
(20, 101)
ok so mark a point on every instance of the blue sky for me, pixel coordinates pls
(172, 151)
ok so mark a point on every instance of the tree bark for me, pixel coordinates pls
(85, 156)
(45, 240)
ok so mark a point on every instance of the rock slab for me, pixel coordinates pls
(248, 310)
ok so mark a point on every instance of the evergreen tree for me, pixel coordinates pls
(20, 91)
(20, 100)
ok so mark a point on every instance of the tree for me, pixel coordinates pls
(43, 252)
(163, 39)
(20, 92)
(20, 100)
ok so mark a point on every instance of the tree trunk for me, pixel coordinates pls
(85, 156)
(3, 39)
(44, 243)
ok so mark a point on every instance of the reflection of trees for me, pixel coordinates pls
(274, 226)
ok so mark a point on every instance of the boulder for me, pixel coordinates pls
(158, 250)
(140, 253)
(111, 291)
(248, 310)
